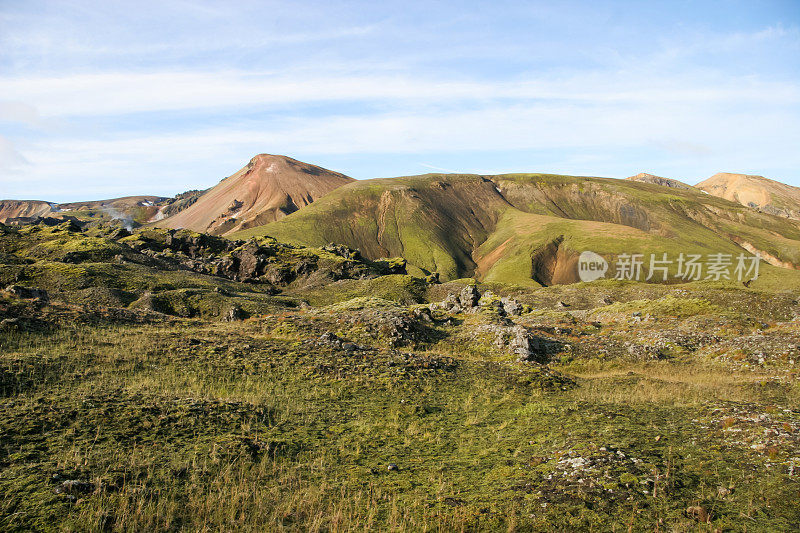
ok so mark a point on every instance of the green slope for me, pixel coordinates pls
(492, 227)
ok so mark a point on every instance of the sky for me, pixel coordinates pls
(107, 99)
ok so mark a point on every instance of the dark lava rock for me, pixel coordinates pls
(342, 251)
(28, 293)
(234, 314)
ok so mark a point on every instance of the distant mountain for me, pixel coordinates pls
(514, 228)
(133, 210)
(758, 192)
(130, 209)
(644, 177)
(529, 228)
(267, 189)
(23, 209)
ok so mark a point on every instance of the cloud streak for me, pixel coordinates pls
(119, 93)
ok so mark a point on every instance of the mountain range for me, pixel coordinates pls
(525, 229)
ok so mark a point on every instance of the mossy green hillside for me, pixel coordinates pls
(451, 223)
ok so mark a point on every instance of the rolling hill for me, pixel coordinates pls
(758, 192)
(268, 188)
(529, 228)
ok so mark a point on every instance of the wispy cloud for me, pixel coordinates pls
(10, 158)
(20, 112)
(116, 93)
(440, 169)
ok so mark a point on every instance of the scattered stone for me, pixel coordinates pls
(342, 251)
(119, 233)
(532, 348)
(423, 313)
(491, 302)
(450, 304)
(28, 293)
(432, 278)
(330, 339)
(511, 306)
(521, 344)
(235, 314)
(74, 486)
(699, 513)
(469, 297)
(10, 323)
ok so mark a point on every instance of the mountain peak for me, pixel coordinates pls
(644, 177)
(268, 188)
(755, 191)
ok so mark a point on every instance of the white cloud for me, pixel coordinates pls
(124, 93)
(19, 112)
(542, 126)
(10, 158)
(385, 93)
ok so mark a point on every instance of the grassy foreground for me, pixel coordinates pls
(187, 424)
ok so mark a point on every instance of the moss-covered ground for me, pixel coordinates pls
(152, 392)
(196, 425)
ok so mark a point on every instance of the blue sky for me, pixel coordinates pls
(104, 99)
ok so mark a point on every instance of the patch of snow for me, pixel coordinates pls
(158, 216)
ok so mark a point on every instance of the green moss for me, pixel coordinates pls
(362, 302)
(666, 306)
(394, 287)
(178, 421)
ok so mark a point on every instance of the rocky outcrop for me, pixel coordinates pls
(469, 300)
(28, 293)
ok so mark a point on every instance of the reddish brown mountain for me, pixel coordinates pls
(23, 209)
(267, 189)
(758, 192)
